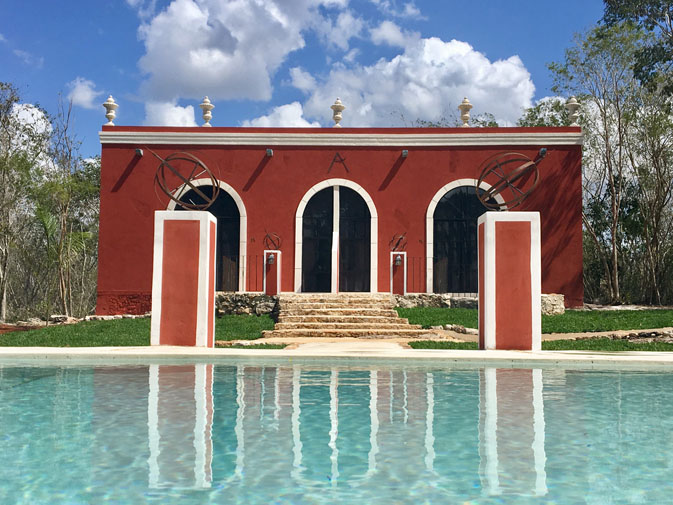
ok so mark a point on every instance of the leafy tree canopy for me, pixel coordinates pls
(653, 62)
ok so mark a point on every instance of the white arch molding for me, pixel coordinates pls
(430, 221)
(243, 222)
(299, 228)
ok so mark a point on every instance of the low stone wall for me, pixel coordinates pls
(246, 303)
(551, 304)
(257, 303)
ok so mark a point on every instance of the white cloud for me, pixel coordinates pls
(29, 59)
(390, 7)
(338, 33)
(426, 81)
(2, 38)
(302, 80)
(145, 8)
(351, 55)
(391, 34)
(83, 93)
(168, 114)
(228, 49)
(290, 115)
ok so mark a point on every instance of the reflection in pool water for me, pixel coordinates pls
(342, 434)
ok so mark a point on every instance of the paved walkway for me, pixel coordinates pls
(336, 350)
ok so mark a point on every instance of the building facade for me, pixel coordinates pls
(341, 206)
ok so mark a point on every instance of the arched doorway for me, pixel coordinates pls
(452, 238)
(335, 246)
(225, 210)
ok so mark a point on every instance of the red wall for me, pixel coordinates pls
(272, 187)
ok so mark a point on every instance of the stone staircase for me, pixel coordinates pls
(364, 315)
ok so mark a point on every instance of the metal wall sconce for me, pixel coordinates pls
(405, 153)
(139, 152)
(271, 259)
(269, 153)
(398, 260)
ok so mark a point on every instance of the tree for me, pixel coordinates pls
(597, 69)
(628, 164)
(652, 61)
(548, 111)
(24, 131)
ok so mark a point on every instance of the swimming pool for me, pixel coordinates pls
(239, 433)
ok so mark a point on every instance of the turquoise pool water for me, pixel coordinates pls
(295, 434)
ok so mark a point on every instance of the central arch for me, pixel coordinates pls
(299, 232)
(468, 249)
(235, 251)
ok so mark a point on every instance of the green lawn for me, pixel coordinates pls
(126, 332)
(136, 332)
(573, 321)
(593, 344)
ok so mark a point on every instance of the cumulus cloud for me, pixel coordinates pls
(427, 81)
(233, 49)
(339, 32)
(226, 49)
(391, 8)
(168, 114)
(83, 93)
(290, 115)
(302, 80)
(145, 8)
(389, 33)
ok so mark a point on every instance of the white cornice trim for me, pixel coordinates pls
(342, 139)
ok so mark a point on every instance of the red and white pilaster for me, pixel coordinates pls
(509, 281)
(183, 280)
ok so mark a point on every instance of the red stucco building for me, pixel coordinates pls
(335, 202)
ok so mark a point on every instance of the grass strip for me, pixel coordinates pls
(242, 327)
(438, 344)
(436, 316)
(573, 321)
(591, 344)
(126, 332)
(252, 346)
(114, 333)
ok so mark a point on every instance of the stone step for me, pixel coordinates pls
(354, 311)
(337, 300)
(344, 333)
(380, 327)
(340, 318)
(320, 305)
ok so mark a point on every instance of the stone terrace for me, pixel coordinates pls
(341, 315)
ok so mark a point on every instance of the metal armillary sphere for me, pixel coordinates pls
(512, 176)
(187, 168)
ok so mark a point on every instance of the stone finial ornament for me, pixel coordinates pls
(573, 107)
(206, 107)
(110, 107)
(338, 108)
(465, 107)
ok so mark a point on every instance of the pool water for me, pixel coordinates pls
(321, 434)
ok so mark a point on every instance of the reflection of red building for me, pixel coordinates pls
(338, 200)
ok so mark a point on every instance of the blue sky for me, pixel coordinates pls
(283, 62)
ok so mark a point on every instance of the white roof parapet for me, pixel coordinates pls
(392, 139)
(110, 108)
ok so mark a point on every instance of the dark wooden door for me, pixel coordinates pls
(228, 218)
(316, 257)
(354, 241)
(455, 241)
